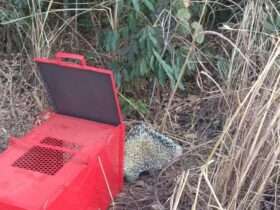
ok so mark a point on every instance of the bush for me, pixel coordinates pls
(151, 39)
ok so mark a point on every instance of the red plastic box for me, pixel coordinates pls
(73, 160)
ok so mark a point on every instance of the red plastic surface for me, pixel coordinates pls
(81, 183)
(65, 163)
(63, 55)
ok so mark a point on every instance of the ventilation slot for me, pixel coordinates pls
(60, 143)
(44, 160)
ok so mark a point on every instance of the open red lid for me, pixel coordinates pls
(80, 90)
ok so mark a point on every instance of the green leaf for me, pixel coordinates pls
(152, 62)
(198, 34)
(184, 28)
(167, 68)
(136, 5)
(143, 35)
(130, 104)
(149, 5)
(178, 4)
(153, 39)
(111, 41)
(178, 71)
(184, 14)
(144, 69)
(132, 22)
(161, 76)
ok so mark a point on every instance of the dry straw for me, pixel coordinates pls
(244, 169)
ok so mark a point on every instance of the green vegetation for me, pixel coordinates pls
(142, 39)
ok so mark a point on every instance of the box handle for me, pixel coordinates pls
(60, 56)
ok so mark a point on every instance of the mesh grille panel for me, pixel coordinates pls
(44, 160)
(60, 143)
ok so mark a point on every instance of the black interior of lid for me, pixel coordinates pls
(80, 93)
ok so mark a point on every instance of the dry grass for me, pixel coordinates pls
(242, 170)
(21, 100)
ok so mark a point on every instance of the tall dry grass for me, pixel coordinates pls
(247, 152)
(242, 170)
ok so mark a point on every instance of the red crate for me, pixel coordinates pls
(74, 159)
